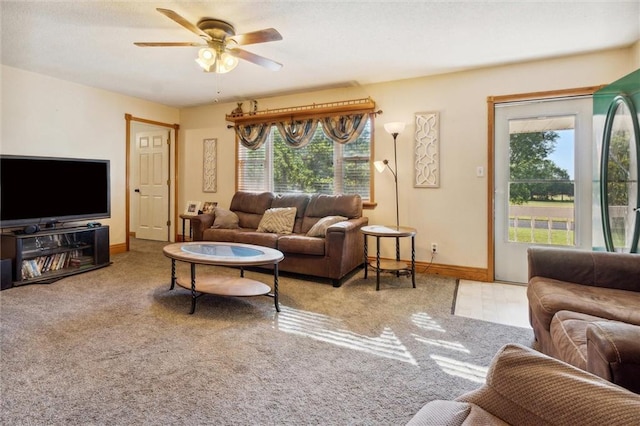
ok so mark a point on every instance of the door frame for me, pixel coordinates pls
(173, 164)
(491, 102)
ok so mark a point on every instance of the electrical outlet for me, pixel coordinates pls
(434, 247)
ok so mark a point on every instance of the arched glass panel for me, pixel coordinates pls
(619, 177)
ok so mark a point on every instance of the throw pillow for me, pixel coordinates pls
(278, 220)
(320, 228)
(225, 219)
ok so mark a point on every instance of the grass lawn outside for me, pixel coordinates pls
(543, 224)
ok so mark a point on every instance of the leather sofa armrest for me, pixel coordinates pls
(199, 223)
(613, 352)
(348, 225)
(344, 244)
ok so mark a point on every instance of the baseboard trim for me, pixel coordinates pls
(460, 272)
(118, 248)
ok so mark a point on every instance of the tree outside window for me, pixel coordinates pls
(322, 166)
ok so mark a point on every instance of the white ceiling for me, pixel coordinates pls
(326, 44)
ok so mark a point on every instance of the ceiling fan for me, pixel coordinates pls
(219, 53)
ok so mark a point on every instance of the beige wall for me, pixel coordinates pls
(47, 116)
(454, 215)
(635, 56)
(51, 117)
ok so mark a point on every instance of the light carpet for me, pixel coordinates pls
(115, 346)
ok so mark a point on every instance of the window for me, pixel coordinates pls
(321, 166)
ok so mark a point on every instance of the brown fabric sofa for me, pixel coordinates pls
(584, 308)
(524, 387)
(331, 256)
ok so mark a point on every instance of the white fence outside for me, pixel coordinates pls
(549, 218)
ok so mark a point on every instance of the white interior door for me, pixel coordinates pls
(150, 171)
(542, 186)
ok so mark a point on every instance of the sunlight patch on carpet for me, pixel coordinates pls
(326, 329)
(467, 370)
(424, 321)
(456, 346)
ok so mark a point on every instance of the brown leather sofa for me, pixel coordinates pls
(524, 387)
(332, 255)
(584, 307)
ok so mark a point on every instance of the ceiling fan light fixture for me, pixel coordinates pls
(225, 63)
(220, 54)
(206, 58)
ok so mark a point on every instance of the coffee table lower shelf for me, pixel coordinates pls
(225, 286)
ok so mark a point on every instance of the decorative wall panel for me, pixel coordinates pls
(210, 166)
(427, 150)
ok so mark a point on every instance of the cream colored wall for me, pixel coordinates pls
(51, 117)
(454, 215)
(635, 55)
(47, 116)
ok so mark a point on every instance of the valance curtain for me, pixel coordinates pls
(296, 134)
(252, 136)
(344, 128)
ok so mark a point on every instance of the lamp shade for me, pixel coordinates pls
(380, 165)
(394, 127)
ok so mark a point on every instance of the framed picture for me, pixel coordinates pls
(192, 208)
(208, 206)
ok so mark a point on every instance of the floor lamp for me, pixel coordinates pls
(394, 129)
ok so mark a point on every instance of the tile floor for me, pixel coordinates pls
(493, 302)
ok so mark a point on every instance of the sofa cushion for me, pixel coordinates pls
(525, 387)
(301, 244)
(299, 201)
(258, 238)
(320, 227)
(220, 234)
(322, 205)
(612, 352)
(569, 334)
(548, 296)
(453, 413)
(250, 206)
(278, 220)
(589, 268)
(225, 219)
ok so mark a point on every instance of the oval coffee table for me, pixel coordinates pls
(223, 254)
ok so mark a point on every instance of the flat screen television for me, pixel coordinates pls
(49, 190)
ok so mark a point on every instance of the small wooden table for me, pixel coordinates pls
(184, 218)
(397, 232)
(223, 254)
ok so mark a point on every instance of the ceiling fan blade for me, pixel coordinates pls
(166, 44)
(180, 20)
(262, 36)
(256, 59)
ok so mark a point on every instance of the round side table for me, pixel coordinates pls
(397, 266)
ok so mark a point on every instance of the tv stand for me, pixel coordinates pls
(51, 254)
